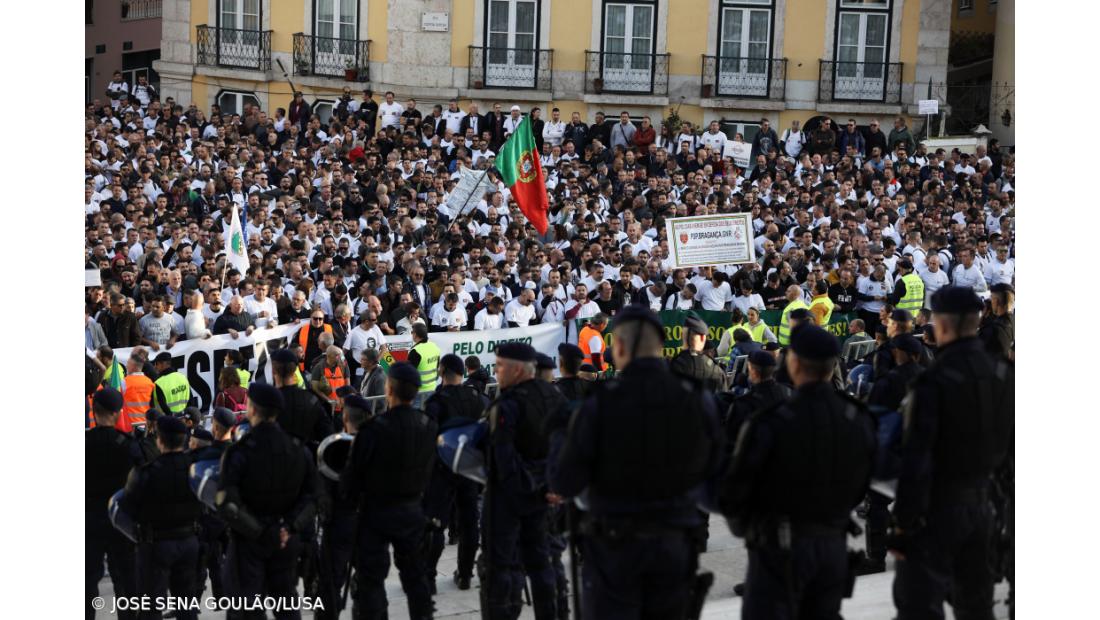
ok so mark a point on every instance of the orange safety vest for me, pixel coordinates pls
(336, 379)
(137, 399)
(582, 341)
(122, 425)
(303, 340)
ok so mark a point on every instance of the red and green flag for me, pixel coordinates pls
(518, 163)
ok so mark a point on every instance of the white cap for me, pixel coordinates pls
(531, 286)
(515, 108)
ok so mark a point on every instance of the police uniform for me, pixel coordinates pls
(266, 483)
(213, 532)
(797, 471)
(759, 396)
(640, 445)
(574, 389)
(303, 416)
(514, 522)
(695, 366)
(159, 498)
(998, 333)
(388, 470)
(555, 515)
(108, 457)
(958, 430)
(449, 494)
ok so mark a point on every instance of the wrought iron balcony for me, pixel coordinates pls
(859, 81)
(140, 9)
(327, 56)
(744, 78)
(227, 47)
(509, 67)
(632, 74)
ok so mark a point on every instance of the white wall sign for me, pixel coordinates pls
(435, 22)
(926, 107)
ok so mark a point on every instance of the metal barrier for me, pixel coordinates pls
(857, 350)
(738, 366)
(492, 389)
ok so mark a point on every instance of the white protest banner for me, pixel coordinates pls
(711, 240)
(483, 344)
(200, 360)
(471, 188)
(739, 151)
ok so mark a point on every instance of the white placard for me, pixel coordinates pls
(739, 151)
(435, 22)
(711, 240)
(928, 106)
(92, 277)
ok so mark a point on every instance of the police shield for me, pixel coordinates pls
(120, 519)
(456, 448)
(332, 454)
(203, 477)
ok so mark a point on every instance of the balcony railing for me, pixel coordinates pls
(859, 81)
(745, 78)
(632, 74)
(315, 55)
(140, 9)
(227, 47)
(508, 67)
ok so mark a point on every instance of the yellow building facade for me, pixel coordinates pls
(735, 61)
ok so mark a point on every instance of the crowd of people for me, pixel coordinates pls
(349, 232)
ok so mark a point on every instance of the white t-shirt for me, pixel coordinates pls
(360, 339)
(752, 301)
(453, 119)
(483, 320)
(933, 281)
(519, 314)
(972, 277)
(587, 311)
(390, 113)
(714, 298)
(254, 308)
(452, 318)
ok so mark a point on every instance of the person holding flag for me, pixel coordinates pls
(518, 163)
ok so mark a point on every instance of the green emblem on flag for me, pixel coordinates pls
(238, 243)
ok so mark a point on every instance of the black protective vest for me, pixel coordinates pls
(108, 458)
(301, 411)
(455, 405)
(760, 396)
(976, 400)
(274, 470)
(823, 446)
(700, 369)
(538, 400)
(403, 454)
(167, 500)
(573, 389)
(653, 438)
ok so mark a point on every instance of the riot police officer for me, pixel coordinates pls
(303, 416)
(884, 401)
(514, 523)
(452, 404)
(266, 494)
(159, 499)
(213, 535)
(998, 331)
(337, 512)
(958, 430)
(763, 392)
(108, 457)
(691, 363)
(390, 464)
(640, 445)
(572, 387)
(798, 470)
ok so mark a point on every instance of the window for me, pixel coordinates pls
(323, 109)
(232, 102)
(861, 64)
(966, 5)
(864, 4)
(744, 47)
(239, 29)
(511, 36)
(747, 129)
(629, 42)
(336, 29)
(139, 64)
(89, 8)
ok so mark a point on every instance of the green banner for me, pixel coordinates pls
(719, 322)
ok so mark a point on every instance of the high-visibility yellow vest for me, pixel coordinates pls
(176, 391)
(757, 331)
(729, 330)
(244, 376)
(299, 380)
(914, 294)
(429, 364)
(829, 305)
(784, 335)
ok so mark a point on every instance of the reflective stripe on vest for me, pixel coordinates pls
(176, 391)
(582, 341)
(429, 365)
(829, 305)
(303, 340)
(336, 380)
(137, 399)
(785, 321)
(914, 294)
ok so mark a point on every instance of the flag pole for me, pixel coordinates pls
(228, 248)
(479, 180)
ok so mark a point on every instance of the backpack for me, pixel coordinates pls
(229, 403)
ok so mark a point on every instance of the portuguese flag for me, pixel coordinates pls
(518, 163)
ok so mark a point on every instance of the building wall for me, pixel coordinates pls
(982, 17)
(108, 29)
(434, 66)
(1004, 74)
